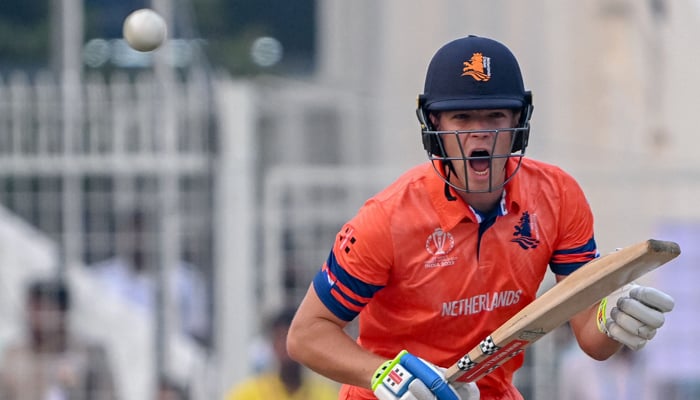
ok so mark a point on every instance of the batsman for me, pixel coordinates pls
(457, 245)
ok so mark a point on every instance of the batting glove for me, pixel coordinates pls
(632, 314)
(408, 377)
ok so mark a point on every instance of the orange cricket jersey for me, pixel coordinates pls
(431, 276)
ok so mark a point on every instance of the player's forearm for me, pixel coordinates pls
(332, 353)
(319, 342)
(591, 340)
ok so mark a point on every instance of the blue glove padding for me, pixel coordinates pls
(408, 377)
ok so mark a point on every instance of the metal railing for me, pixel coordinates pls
(76, 171)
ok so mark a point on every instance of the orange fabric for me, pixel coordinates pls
(438, 299)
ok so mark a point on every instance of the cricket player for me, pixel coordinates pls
(449, 251)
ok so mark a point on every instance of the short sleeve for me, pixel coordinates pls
(358, 265)
(576, 245)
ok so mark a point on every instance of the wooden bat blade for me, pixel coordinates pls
(583, 288)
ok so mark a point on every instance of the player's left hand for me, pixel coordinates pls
(408, 377)
(632, 314)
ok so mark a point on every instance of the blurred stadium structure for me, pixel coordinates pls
(253, 178)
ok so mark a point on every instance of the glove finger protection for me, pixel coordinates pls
(629, 323)
(408, 377)
(465, 391)
(419, 391)
(632, 314)
(653, 298)
(630, 340)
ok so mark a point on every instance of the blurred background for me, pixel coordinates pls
(187, 194)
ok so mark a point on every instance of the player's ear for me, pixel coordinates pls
(434, 120)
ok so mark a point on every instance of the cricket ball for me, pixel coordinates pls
(144, 30)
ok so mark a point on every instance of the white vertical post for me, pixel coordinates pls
(165, 106)
(235, 205)
(69, 65)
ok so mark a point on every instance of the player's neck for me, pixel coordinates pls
(483, 202)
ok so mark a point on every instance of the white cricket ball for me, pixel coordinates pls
(144, 30)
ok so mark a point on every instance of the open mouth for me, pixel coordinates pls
(480, 161)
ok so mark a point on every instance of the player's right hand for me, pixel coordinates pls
(408, 377)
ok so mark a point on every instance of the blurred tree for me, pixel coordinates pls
(231, 27)
(228, 29)
(24, 33)
(104, 18)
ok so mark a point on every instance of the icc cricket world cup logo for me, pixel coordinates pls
(440, 243)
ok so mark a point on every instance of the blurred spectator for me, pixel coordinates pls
(51, 362)
(168, 389)
(287, 379)
(624, 376)
(132, 276)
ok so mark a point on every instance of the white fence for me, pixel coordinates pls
(74, 171)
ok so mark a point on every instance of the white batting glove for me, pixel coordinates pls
(632, 314)
(408, 377)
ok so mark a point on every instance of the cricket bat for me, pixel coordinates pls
(580, 290)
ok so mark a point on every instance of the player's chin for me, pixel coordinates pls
(479, 180)
(483, 181)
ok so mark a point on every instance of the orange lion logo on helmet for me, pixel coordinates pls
(478, 67)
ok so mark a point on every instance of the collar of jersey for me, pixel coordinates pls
(453, 212)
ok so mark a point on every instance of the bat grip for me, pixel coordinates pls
(428, 375)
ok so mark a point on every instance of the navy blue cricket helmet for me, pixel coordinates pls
(473, 73)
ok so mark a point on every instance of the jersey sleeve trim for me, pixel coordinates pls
(344, 295)
(566, 261)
